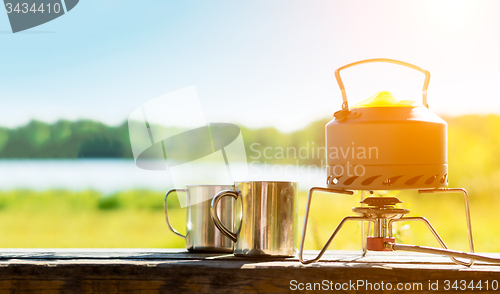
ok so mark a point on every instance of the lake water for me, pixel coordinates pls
(109, 176)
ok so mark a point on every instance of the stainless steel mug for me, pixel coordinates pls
(201, 234)
(268, 218)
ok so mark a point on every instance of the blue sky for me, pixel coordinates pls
(257, 63)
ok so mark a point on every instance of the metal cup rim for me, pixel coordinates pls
(279, 182)
(209, 185)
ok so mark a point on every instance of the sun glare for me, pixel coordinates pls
(451, 15)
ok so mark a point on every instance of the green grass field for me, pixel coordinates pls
(135, 219)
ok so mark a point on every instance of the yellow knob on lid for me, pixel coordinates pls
(384, 99)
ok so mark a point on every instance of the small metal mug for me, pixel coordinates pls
(268, 219)
(201, 234)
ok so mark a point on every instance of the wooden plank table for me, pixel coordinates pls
(177, 271)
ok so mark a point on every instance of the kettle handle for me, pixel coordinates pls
(345, 106)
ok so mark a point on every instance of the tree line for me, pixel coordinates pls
(91, 139)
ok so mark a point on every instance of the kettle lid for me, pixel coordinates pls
(384, 99)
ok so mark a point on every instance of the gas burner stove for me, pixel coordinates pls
(382, 213)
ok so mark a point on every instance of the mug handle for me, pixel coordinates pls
(166, 211)
(215, 217)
